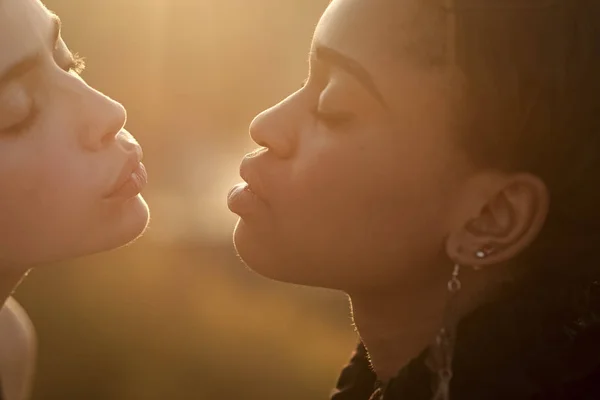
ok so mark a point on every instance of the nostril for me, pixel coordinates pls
(107, 139)
(112, 133)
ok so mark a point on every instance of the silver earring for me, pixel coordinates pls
(480, 254)
(484, 252)
(443, 348)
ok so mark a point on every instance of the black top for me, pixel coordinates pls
(416, 382)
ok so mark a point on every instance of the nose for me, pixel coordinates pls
(275, 129)
(104, 119)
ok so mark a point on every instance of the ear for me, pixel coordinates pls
(508, 220)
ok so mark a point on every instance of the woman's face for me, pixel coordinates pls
(70, 175)
(359, 178)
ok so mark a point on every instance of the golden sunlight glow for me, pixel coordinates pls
(167, 317)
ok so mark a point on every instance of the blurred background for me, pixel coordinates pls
(177, 316)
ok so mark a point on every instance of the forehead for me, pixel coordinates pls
(369, 28)
(24, 26)
(392, 39)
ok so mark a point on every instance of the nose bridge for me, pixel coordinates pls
(275, 129)
(103, 118)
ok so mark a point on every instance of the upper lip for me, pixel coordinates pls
(131, 164)
(250, 175)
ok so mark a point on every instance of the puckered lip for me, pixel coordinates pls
(131, 165)
(250, 174)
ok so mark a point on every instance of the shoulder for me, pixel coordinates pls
(17, 351)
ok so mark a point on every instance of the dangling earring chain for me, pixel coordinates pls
(443, 349)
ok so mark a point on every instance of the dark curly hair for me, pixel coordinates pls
(530, 102)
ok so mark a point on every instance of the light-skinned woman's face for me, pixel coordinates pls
(359, 177)
(70, 175)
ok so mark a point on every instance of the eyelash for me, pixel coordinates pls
(331, 120)
(76, 64)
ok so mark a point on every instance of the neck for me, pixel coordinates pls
(397, 325)
(9, 280)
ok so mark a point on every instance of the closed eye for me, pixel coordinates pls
(332, 120)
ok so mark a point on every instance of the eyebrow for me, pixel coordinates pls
(30, 62)
(351, 66)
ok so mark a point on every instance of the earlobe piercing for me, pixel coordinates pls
(484, 252)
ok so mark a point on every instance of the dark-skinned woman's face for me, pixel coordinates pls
(360, 175)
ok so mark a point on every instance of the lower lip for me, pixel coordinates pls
(241, 200)
(134, 185)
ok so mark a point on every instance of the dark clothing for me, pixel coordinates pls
(416, 382)
(359, 382)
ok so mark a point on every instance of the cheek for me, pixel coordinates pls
(357, 203)
(51, 202)
(52, 179)
(46, 195)
(360, 182)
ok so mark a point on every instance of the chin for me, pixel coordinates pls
(255, 252)
(127, 225)
(269, 259)
(108, 233)
(134, 221)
